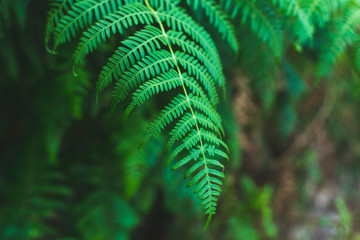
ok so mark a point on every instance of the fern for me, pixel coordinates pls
(218, 18)
(302, 27)
(320, 11)
(57, 11)
(263, 21)
(37, 196)
(336, 42)
(168, 52)
(81, 14)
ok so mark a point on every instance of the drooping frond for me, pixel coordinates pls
(168, 51)
(148, 40)
(133, 14)
(301, 26)
(58, 9)
(320, 11)
(343, 34)
(263, 22)
(219, 18)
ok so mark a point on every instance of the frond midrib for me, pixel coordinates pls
(188, 100)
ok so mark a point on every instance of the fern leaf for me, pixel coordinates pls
(219, 18)
(145, 41)
(320, 11)
(186, 123)
(165, 82)
(207, 109)
(149, 40)
(302, 27)
(200, 72)
(214, 67)
(263, 23)
(146, 64)
(151, 65)
(161, 61)
(58, 9)
(344, 35)
(117, 22)
(84, 13)
(81, 16)
(176, 19)
(173, 110)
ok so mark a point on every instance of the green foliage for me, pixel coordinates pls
(165, 50)
(71, 169)
(256, 202)
(263, 21)
(13, 7)
(344, 34)
(218, 18)
(345, 225)
(176, 55)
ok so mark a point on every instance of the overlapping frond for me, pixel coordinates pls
(167, 51)
(219, 18)
(320, 11)
(343, 34)
(302, 26)
(263, 21)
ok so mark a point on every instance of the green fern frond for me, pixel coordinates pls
(320, 11)
(163, 83)
(344, 34)
(177, 19)
(302, 27)
(173, 110)
(82, 15)
(214, 67)
(58, 9)
(148, 40)
(218, 18)
(150, 66)
(127, 16)
(193, 67)
(178, 54)
(186, 123)
(145, 41)
(263, 21)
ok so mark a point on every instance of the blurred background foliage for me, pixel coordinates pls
(70, 168)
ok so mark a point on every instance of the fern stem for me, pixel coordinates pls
(190, 107)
